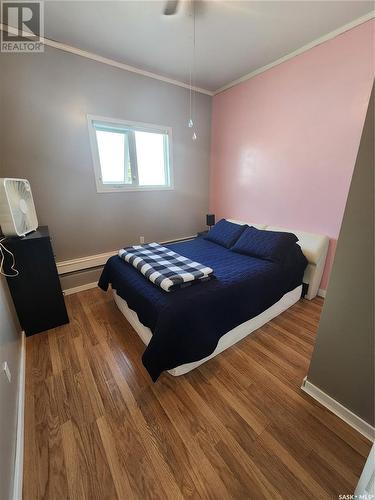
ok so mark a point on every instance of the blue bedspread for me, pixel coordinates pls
(188, 323)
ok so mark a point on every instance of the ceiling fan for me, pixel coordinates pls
(171, 7)
(203, 7)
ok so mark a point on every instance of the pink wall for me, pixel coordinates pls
(284, 143)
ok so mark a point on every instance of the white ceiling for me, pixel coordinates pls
(233, 38)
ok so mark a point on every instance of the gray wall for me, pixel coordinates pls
(44, 100)
(342, 364)
(10, 350)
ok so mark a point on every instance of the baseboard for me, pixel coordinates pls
(80, 288)
(82, 263)
(338, 409)
(321, 292)
(18, 465)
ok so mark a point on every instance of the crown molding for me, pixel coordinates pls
(110, 62)
(126, 67)
(301, 50)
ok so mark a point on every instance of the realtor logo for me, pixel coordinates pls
(23, 26)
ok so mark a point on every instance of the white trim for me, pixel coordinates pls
(123, 188)
(338, 409)
(133, 69)
(69, 266)
(365, 486)
(18, 464)
(80, 288)
(304, 48)
(131, 126)
(322, 293)
(82, 263)
(110, 62)
(120, 124)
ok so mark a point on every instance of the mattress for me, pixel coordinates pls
(227, 340)
(243, 288)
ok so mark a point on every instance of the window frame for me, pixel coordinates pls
(115, 123)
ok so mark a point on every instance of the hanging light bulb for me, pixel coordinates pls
(192, 75)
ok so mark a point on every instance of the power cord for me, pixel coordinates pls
(12, 267)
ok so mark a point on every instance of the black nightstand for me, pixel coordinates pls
(36, 292)
(202, 233)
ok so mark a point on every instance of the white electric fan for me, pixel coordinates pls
(17, 210)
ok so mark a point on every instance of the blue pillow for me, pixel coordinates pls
(225, 233)
(267, 245)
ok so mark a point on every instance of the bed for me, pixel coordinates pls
(186, 328)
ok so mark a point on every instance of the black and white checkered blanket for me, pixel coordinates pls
(163, 267)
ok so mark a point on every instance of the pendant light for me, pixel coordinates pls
(192, 76)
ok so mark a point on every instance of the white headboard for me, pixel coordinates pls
(314, 247)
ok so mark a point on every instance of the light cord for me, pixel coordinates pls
(190, 85)
(191, 122)
(193, 76)
(12, 267)
(192, 94)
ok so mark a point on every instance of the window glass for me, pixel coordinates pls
(111, 147)
(129, 156)
(150, 158)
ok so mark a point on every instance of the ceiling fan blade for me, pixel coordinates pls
(171, 7)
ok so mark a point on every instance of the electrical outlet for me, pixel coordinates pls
(141, 239)
(7, 371)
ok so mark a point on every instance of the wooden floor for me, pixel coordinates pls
(238, 427)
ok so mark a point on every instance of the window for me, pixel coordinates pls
(130, 156)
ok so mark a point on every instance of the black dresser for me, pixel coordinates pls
(36, 292)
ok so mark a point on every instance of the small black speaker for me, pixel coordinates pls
(210, 220)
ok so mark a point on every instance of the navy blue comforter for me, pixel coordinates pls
(188, 323)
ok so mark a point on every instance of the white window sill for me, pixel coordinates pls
(110, 189)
